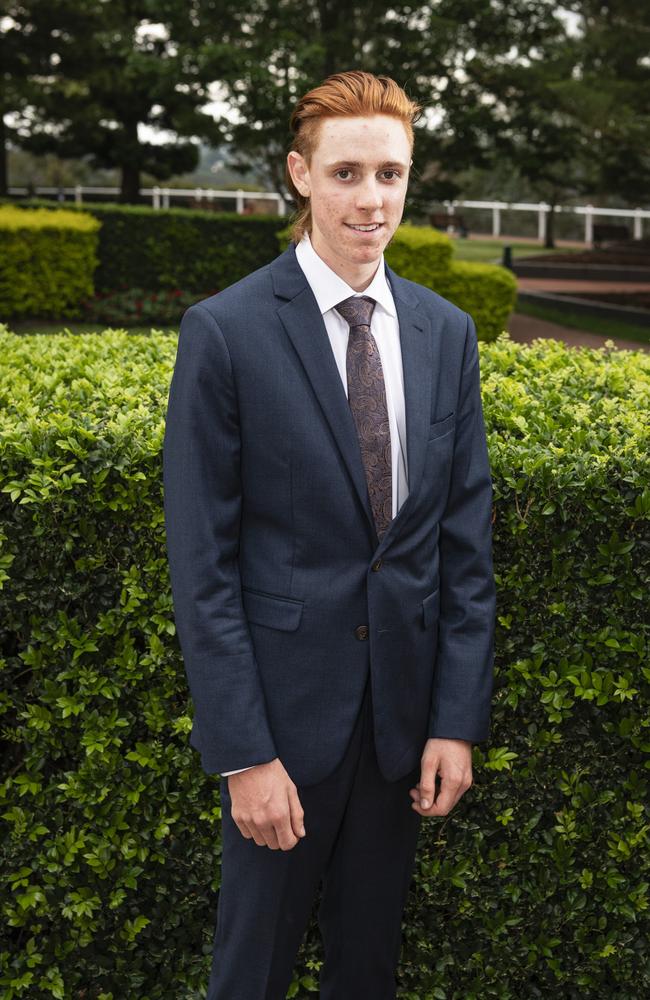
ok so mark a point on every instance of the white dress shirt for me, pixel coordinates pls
(329, 289)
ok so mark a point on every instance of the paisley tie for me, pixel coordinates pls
(367, 399)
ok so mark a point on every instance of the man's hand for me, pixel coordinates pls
(266, 806)
(452, 759)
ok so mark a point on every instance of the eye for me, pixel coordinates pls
(346, 170)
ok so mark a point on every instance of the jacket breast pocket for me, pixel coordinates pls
(431, 608)
(283, 613)
(439, 428)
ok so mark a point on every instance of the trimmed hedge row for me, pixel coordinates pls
(200, 252)
(420, 254)
(47, 260)
(486, 291)
(192, 250)
(537, 883)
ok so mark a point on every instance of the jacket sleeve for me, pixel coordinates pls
(202, 505)
(463, 680)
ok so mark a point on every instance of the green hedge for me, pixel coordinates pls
(487, 292)
(47, 260)
(200, 252)
(419, 253)
(535, 885)
(178, 248)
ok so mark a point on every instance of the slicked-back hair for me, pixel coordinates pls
(352, 94)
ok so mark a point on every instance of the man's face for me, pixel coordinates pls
(358, 176)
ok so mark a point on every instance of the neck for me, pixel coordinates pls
(357, 276)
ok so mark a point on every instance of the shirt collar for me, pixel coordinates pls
(329, 288)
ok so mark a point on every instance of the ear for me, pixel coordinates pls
(299, 172)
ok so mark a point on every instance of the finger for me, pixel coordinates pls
(286, 837)
(284, 829)
(428, 782)
(244, 829)
(269, 835)
(297, 815)
(458, 791)
(449, 794)
(256, 829)
(445, 802)
(257, 837)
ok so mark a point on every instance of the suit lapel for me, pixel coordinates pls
(302, 319)
(304, 324)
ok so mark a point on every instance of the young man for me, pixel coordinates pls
(328, 508)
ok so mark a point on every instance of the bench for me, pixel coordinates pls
(605, 232)
(441, 220)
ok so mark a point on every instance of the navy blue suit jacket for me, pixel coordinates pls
(274, 558)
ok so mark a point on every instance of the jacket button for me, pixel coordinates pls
(376, 565)
(361, 631)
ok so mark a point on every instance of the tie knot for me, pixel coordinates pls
(356, 310)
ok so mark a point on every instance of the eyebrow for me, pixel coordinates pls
(356, 163)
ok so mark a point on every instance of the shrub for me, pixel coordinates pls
(138, 307)
(178, 247)
(486, 291)
(536, 884)
(47, 261)
(140, 248)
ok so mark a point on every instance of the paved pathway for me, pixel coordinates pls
(514, 240)
(566, 285)
(524, 329)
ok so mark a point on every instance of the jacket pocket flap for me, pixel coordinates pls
(440, 427)
(276, 612)
(431, 607)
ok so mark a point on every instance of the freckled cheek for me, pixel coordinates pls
(333, 210)
(336, 200)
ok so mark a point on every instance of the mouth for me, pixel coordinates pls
(372, 227)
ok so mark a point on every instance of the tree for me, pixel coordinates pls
(115, 66)
(609, 92)
(573, 117)
(21, 56)
(285, 47)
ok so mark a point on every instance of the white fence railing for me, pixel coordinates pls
(160, 198)
(590, 212)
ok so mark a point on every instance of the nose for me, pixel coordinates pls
(369, 195)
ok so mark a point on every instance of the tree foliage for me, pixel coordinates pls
(107, 68)
(560, 93)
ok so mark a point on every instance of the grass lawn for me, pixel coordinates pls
(491, 251)
(592, 324)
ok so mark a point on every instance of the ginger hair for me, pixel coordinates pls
(351, 94)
